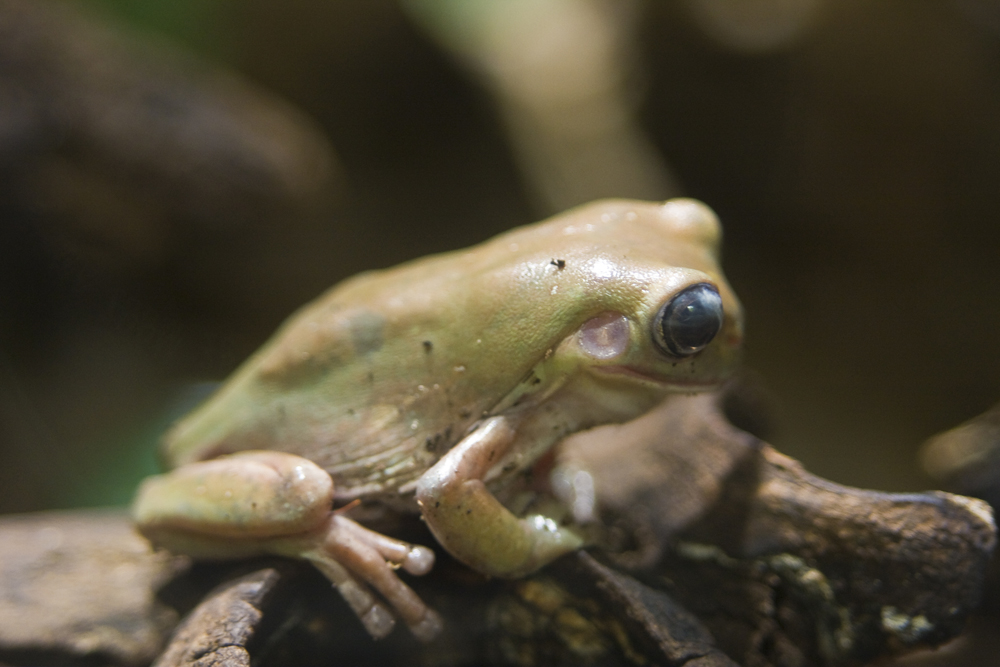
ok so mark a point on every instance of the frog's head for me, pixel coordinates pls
(657, 314)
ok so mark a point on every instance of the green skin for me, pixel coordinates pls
(421, 388)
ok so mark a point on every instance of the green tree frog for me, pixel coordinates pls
(433, 387)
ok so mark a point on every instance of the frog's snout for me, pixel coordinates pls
(733, 338)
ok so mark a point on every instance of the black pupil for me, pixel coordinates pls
(691, 320)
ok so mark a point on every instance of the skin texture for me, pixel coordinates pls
(430, 386)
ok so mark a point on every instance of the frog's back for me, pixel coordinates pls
(346, 385)
(382, 374)
(373, 381)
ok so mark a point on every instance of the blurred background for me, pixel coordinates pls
(176, 177)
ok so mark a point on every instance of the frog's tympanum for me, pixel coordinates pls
(437, 387)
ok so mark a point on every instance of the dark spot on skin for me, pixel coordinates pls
(558, 263)
(428, 346)
(371, 377)
(492, 452)
(432, 443)
(464, 414)
(536, 380)
(437, 503)
(468, 511)
(366, 332)
(510, 466)
(350, 411)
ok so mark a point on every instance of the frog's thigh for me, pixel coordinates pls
(275, 503)
(245, 496)
(472, 524)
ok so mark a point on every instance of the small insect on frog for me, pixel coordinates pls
(435, 386)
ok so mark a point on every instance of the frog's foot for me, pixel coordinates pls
(354, 558)
(472, 524)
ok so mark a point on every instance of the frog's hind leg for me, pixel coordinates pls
(255, 503)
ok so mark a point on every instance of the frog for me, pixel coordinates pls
(436, 388)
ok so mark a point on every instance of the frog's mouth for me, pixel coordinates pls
(660, 380)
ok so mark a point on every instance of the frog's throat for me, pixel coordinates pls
(543, 380)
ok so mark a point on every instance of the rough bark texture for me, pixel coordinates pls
(826, 574)
(217, 631)
(669, 633)
(81, 587)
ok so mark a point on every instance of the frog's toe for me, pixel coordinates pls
(430, 627)
(415, 559)
(372, 558)
(375, 618)
(378, 621)
(419, 561)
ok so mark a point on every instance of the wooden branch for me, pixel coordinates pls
(76, 585)
(826, 573)
(218, 631)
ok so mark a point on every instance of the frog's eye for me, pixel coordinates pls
(689, 321)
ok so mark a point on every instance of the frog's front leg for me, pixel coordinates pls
(255, 503)
(472, 524)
